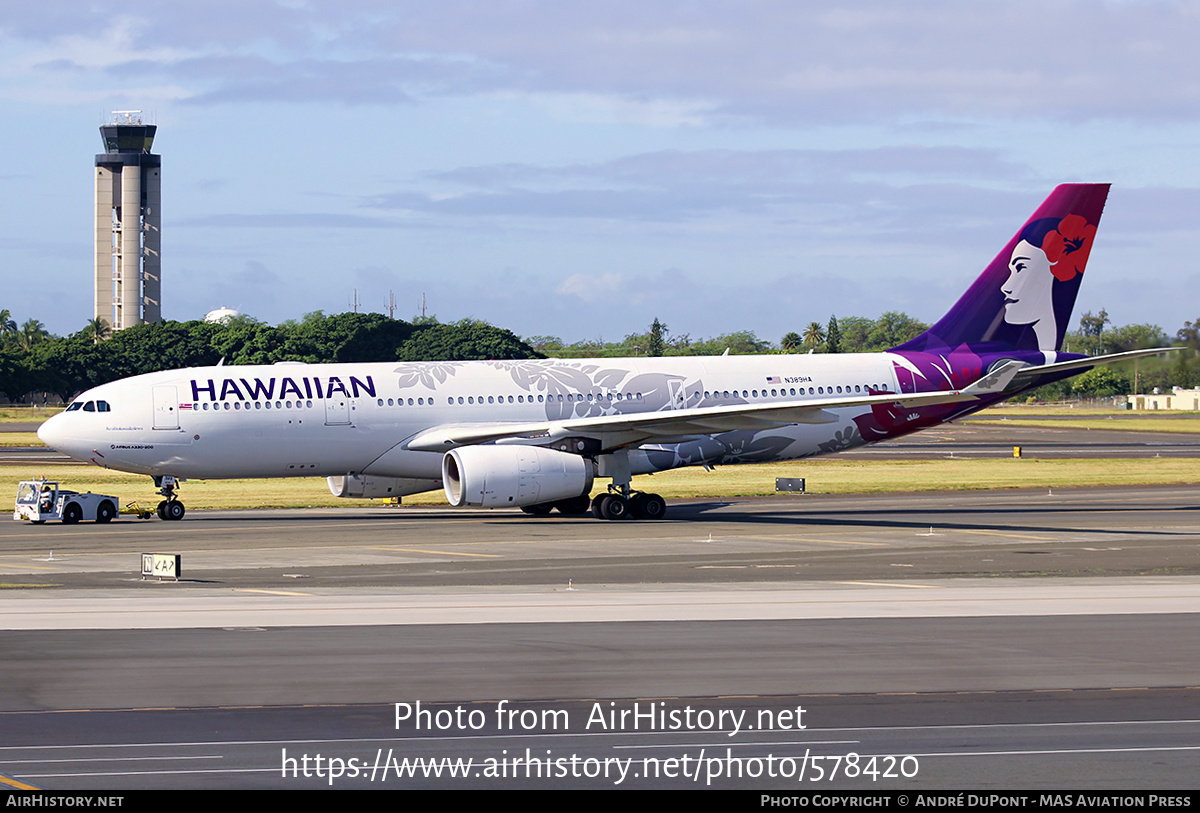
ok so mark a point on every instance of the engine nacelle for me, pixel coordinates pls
(367, 486)
(513, 476)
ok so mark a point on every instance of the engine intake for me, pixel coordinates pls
(513, 476)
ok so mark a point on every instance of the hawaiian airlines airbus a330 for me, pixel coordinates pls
(535, 434)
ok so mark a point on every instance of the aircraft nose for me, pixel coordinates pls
(51, 433)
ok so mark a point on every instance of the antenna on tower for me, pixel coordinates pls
(391, 305)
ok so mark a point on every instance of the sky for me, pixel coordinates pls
(579, 169)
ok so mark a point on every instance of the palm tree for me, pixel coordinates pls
(790, 342)
(97, 329)
(32, 333)
(8, 328)
(814, 335)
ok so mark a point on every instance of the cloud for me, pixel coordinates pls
(591, 287)
(291, 220)
(673, 63)
(697, 186)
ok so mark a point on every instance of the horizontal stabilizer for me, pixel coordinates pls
(1026, 374)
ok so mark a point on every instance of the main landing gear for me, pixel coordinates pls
(620, 502)
(170, 509)
(637, 505)
(605, 506)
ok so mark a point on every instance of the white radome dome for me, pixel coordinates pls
(221, 315)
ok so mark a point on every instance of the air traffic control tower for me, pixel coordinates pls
(128, 223)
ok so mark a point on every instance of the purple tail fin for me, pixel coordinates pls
(1023, 299)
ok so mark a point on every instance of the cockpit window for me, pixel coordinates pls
(90, 406)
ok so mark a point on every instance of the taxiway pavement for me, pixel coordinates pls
(1000, 639)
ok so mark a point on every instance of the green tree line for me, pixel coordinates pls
(33, 361)
(64, 366)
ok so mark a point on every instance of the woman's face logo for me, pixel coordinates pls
(1027, 293)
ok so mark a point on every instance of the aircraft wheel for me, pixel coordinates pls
(174, 511)
(597, 506)
(614, 507)
(542, 509)
(105, 512)
(652, 507)
(72, 513)
(161, 510)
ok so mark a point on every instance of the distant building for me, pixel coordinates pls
(128, 223)
(221, 316)
(1177, 399)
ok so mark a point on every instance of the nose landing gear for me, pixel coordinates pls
(170, 509)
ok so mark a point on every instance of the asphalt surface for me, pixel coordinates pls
(1143, 531)
(995, 640)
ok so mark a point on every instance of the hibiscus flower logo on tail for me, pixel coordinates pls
(1067, 247)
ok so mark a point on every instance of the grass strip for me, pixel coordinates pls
(824, 476)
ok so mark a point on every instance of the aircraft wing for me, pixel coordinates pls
(641, 427)
(1026, 374)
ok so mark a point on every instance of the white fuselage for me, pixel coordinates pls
(292, 419)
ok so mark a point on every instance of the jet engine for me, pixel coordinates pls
(513, 476)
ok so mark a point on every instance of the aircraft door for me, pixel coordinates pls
(337, 410)
(166, 408)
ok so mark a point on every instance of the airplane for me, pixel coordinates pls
(535, 434)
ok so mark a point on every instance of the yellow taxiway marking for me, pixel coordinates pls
(16, 784)
(1014, 536)
(270, 592)
(892, 584)
(28, 567)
